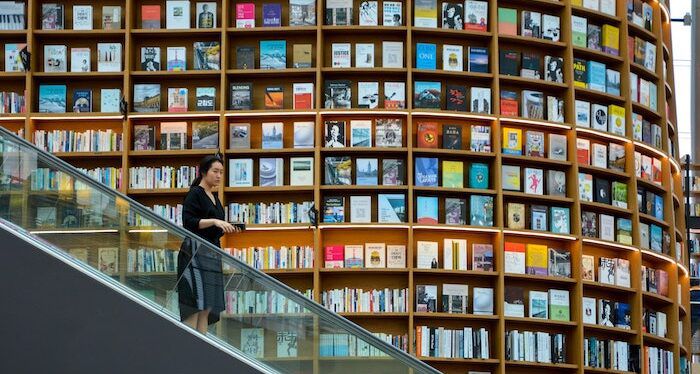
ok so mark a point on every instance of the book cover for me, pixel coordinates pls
(340, 53)
(534, 144)
(531, 24)
(301, 171)
(82, 100)
(427, 95)
(452, 174)
(150, 58)
(514, 302)
(426, 172)
(426, 298)
(334, 134)
(241, 96)
(393, 171)
(205, 135)
(176, 59)
(536, 259)
(52, 98)
(579, 30)
(205, 99)
(580, 73)
(354, 256)
(483, 301)
(301, 56)
(478, 175)
(144, 138)
(109, 100)
(507, 21)
(273, 54)
(150, 16)
(589, 224)
(245, 57)
(427, 210)
(388, 132)
(368, 13)
(559, 305)
(538, 217)
(253, 342)
(364, 55)
(455, 298)
(427, 255)
(593, 37)
(557, 147)
(426, 56)
(451, 137)
(361, 209)
(538, 304)
(482, 257)
(271, 172)
(588, 268)
(13, 62)
(425, 13)
(392, 14)
(533, 104)
(480, 140)
(478, 61)
(396, 256)
(561, 222)
(452, 57)
(274, 97)
(509, 62)
(367, 171)
(338, 171)
(239, 136)
(512, 141)
(302, 13)
(550, 27)
(534, 181)
(79, 60)
(456, 98)
(455, 211)
(476, 15)
(177, 14)
(559, 263)
(205, 15)
(337, 94)
(509, 103)
(287, 344)
(510, 176)
(333, 209)
(303, 134)
(392, 208)
(481, 210)
(596, 76)
(452, 16)
(52, 17)
(556, 183)
(177, 99)
(554, 69)
(480, 100)
(245, 15)
(108, 260)
(516, 216)
(55, 59)
(392, 54)
(272, 15)
(207, 56)
(367, 95)
(394, 95)
(240, 172)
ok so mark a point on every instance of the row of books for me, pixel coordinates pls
(453, 58)
(151, 260)
(147, 98)
(536, 259)
(604, 38)
(610, 354)
(613, 271)
(52, 99)
(532, 24)
(468, 342)
(77, 141)
(532, 180)
(53, 17)
(48, 216)
(529, 65)
(541, 218)
(13, 16)
(471, 15)
(262, 302)
(109, 58)
(173, 136)
(606, 118)
(658, 360)
(551, 304)
(428, 95)
(340, 13)
(534, 144)
(601, 190)
(645, 131)
(427, 171)
(107, 258)
(654, 237)
(603, 6)
(643, 91)
(368, 256)
(387, 133)
(206, 56)
(273, 55)
(12, 102)
(348, 345)
(292, 257)
(612, 156)
(647, 168)
(167, 211)
(536, 346)
(606, 313)
(13, 61)
(596, 76)
(428, 136)
(341, 56)
(532, 105)
(455, 210)
(164, 177)
(455, 299)
(301, 13)
(253, 344)
(45, 179)
(654, 280)
(640, 13)
(655, 322)
(269, 213)
(642, 53)
(357, 300)
(271, 172)
(454, 255)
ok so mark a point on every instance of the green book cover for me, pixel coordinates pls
(559, 305)
(453, 174)
(507, 21)
(619, 194)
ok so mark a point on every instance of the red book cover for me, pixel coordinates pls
(514, 247)
(582, 156)
(427, 135)
(509, 107)
(335, 255)
(302, 100)
(150, 16)
(662, 279)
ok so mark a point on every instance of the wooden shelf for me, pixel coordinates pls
(642, 32)
(13, 75)
(471, 361)
(646, 112)
(352, 315)
(452, 114)
(364, 188)
(456, 316)
(465, 273)
(110, 154)
(361, 150)
(328, 29)
(590, 205)
(446, 227)
(542, 365)
(656, 298)
(307, 271)
(610, 330)
(449, 190)
(286, 30)
(595, 15)
(353, 71)
(608, 287)
(528, 83)
(537, 198)
(539, 234)
(643, 72)
(506, 159)
(600, 56)
(602, 135)
(158, 191)
(451, 33)
(452, 153)
(652, 219)
(269, 189)
(656, 257)
(603, 172)
(172, 115)
(656, 188)
(374, 271)
(657, 340)
(517, 39)
(80, 76)
(175, 33)
(598, 96)
(259, 151)
(172, 153)
(176, 74)
(528, 122)
(437, 73)
(587, 369)
(271, 72)
(539, 321)
(562, 281)
(79, 34)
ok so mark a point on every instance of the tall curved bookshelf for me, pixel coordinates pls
(673, 260)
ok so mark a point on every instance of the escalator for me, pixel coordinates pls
(86, 289)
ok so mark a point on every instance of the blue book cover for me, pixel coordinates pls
(479, 176)
(427, 94)
(392, 208)
(341, 346)
(560, 220)
(52, 98)
(658, 207)
(623, 318)
(426, 172)
(481, 210)
(325, 348)
(82, 101)
(367, 174)
(427, 210)
(272, 15)
(478, 60)
(596, 76)
(273, 54)
(656, 237)
(426, 56)
(333, 209)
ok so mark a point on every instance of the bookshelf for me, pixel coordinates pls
(675, 260)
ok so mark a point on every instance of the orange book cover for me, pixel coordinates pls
(427, 135)
(302, 101)
(150, 16)
(274, 98)
(419, 344)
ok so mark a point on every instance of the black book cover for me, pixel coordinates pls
(532, 64)
(457, 98)
(337, 94)
(241, 96)
(245, 58)
(580, 72)
(602, 191)
(452, 137)
(509, 63)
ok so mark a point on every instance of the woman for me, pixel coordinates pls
(200, 289)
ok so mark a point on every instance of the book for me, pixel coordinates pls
(271, 172)
(177, 99)
(207, 56)
(482, 257)
(476, 15)
(593, 37)
(538, 218)
(205, 98)
(82, 100)
(531, 66)
(427, 210)
(393, 171)
(82, 17)
(367, 171)
(480, 140)
(109, 100)
(52, 16)
(55, 59)
(340, 55)
(452, 174)
(80, 60)
(599, 155)
(483, 301)
(427, 136)
(602, 191)
(338, 171)
(534, 181)
(272, 135)
(337, 94)
(452, 137)
(551, 28)
(514, 302)
(354, 256)
(367, 94)
(559, 263)
(176, 59)
(396, 256)
(531, 24)
(481, 100)
(580, 73)
(241, 96)
(478, 59)
(534, 143)
(624, 232)
(583, 113)
(302, 13)
(108, 260)
(585, 187)
(392, 14)
(52, 98)
(516, 216)
(15, 17)
(272, 15)
(287, 344)
(245, 57)
(144, 138)
(360, 209)
(426, 298)
(427, 255)
(303, 134)
(538, 303)
(239, 136)
(557, 147)
(13, 61)
(205, 135)
(481, 210)
(150, 17)
(364, 55)
(392, 54)
(536, 259)
(273, 54)
(589, 310)
(150, 58)
(616, 120)
(606, 227)
(245, 15)
(556, 183)
(426, 57)
(583, 151)
(425, 13)
(394, 95)
(455, 298)
(596, 76)
(478, 175)
(599, 117)
(205, 15)
(587, 265)
(240, 172)
(173, 135)
(368, 13)
(561, 223)
(426, 173)
(512, 141)
(388, 132)
(610, 42)
(274, 97)
(177, 14)
(509, 103)
(301, 56)
(301, 171)
(507, 21)
(510, 176)
(339, 13)
(579, 30)
(533, 104)
(334, 134)
(253, 342)
(452, 16)
(559, 305)
(427, 95)
(456, 98)
(509, 62)
(554, 69)
(455, 211)
(333, 209)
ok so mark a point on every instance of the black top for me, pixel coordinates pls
(198, 206)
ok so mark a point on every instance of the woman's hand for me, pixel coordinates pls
(226, 227)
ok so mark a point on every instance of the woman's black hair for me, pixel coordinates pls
(205, 165)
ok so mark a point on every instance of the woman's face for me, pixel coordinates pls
(335, 131)
(214, 175)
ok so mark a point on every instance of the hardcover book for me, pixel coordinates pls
(455, 211)
(205, 15)
(273, 54)
(271, 172)
(338, 171)
(427, 210)
(241, 96)
(272, 15)
(177, 14)
(52, 98)
(367, 171)
(207, 56)
(392, 208)
(481, 210)
(427, 95)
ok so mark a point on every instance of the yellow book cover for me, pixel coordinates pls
(616, 120)
(536, 261)
(580, 73)
(611, 40)
(577, 2)
(453, 174)
(512, 141)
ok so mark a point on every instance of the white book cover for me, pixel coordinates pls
(253, 342)
(392, 14)
(301, 171)
(79, 60)
(287, 344)
(392, 208)
(454, 254)
(109, 100)
(539, 304)
(367, 94)
(55, 60)
(361, 133)
(368, 13)
(644, 235)
(483, 301)
(109, 57)
(303, 134)
(555, 109)
(82, 17)
(600, 155)
(240, 172)
(634, 87)
(514, 262)
(607, 227)
(452, 57)
(599, 117)
(589, 310)
(551, 27)
(591, 4)
(583, 113)
(375, 255)
(13, 63)
(534, 180)
(300, 90)
(341, 55)
(396, 256)
(360, 209)
(364, 55)
(622, 272)
(150, 59)
(392, 54)
(394, 95)
(427, 255)
(176, 59)
(177, 14)
(271, 172)
(206, 15)
(480, 100)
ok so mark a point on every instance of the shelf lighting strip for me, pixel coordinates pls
(603, 134)
(610, 244)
